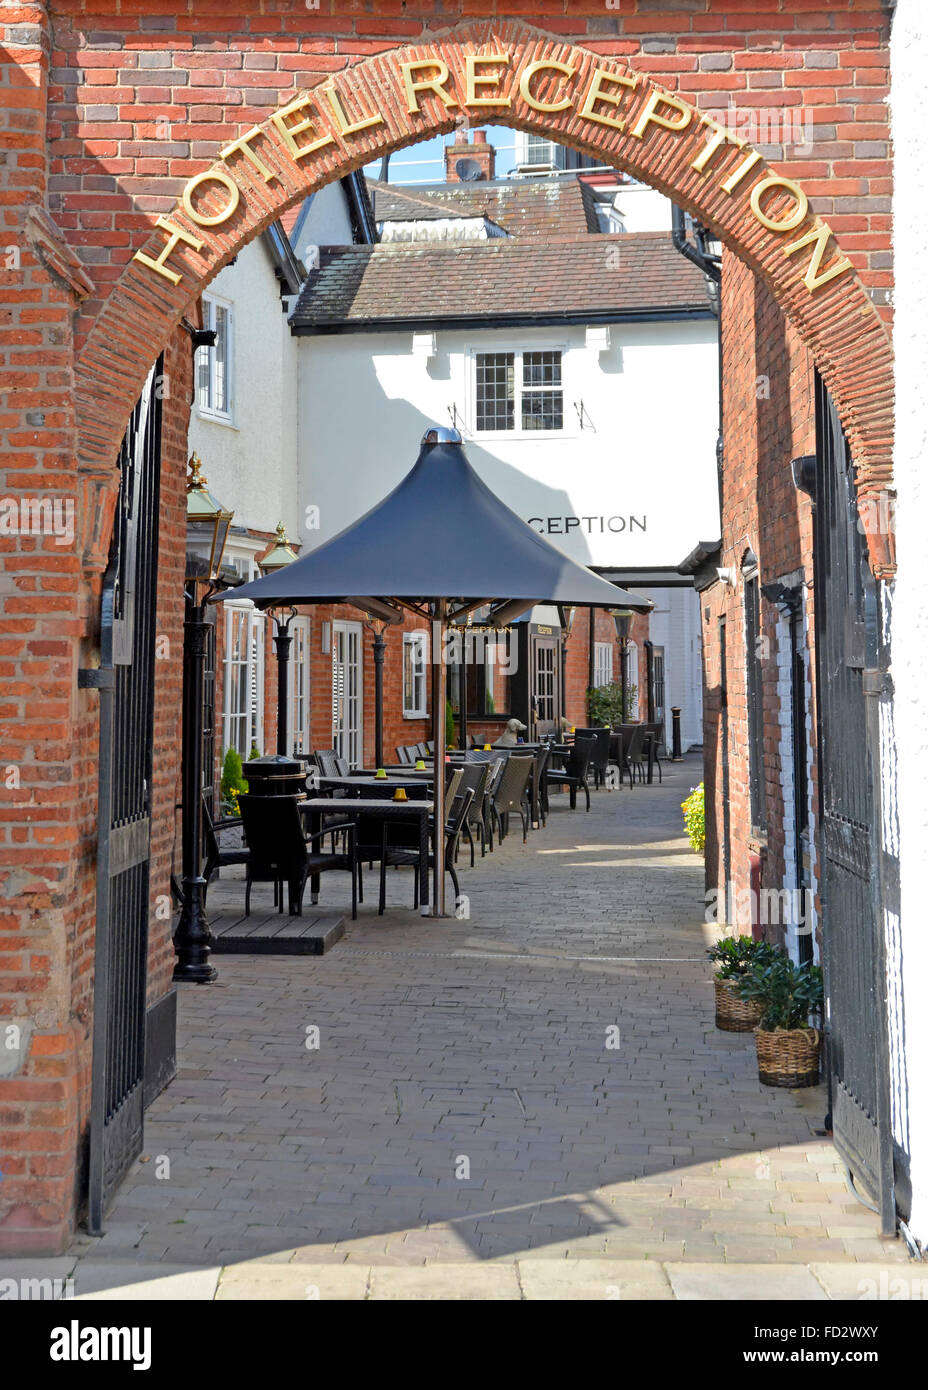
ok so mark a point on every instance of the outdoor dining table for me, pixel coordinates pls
(317, 807)
(367, 781)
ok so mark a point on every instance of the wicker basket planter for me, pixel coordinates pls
(788, 1056)
(732, 1013)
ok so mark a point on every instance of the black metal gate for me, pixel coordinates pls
(125, 680)
(848, 660)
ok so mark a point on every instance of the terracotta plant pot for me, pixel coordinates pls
(788, 1056)
(732, 1013)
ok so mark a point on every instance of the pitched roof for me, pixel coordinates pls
(556, 279)
(522, 207)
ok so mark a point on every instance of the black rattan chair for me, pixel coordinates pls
(395, 852)
(600, 757)
(634, 750)
(279, 852)
(474, 777)
(512, 793)
(573, 775)
(216, 856)
(653, 739)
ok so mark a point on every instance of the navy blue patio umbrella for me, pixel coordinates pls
(440, 545)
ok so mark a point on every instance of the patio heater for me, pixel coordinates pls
(208, 523)
(276, 558)
(622, 617)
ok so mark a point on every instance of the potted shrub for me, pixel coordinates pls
(233, 782)
(606, 704)
(694, 819)
(734, 957)
(787, 1047)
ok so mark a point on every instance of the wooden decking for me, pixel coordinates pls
(267, 931)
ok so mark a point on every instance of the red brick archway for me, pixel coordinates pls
(388, 100)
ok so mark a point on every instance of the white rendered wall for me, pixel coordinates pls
(644, 460)
(674, 625)
(643, 209)
(910, 616)
(251, 464)
(327, 223)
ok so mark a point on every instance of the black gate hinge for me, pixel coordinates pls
(96, 678)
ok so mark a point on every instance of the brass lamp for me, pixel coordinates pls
(280, 553)
(208, 522)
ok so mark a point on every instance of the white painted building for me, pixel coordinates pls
(581, 367)
(244, 428)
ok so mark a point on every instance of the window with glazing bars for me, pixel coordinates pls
(496, 390)
(525, 387)
(542, 397)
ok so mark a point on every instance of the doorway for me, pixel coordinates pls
(545, 686)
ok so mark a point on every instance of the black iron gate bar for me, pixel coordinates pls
(847, 659)
(125, 680)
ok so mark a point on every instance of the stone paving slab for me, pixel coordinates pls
(551, 1278)
(101, 1280)
(763, 1283)
(539, 1082)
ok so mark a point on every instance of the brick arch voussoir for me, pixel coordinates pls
(838, 322)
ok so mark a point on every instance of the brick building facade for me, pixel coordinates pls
(111, 111)
(769, 419)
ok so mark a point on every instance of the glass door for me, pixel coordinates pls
(546, 703)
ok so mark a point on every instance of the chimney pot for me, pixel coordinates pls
(479, 153)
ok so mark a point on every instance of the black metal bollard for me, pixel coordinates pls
(675, 712)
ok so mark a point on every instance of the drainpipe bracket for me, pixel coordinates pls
(96, 678)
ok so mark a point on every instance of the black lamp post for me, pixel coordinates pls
(276, 558)
(622, 617)
(378, 627)
(567, 615)
(208, 525)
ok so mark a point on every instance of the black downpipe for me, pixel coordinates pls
(591, 663)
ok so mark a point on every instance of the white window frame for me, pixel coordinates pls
(602, 664)
(633, 679)
(419, 708)
(350, 744)
(253, 713)
(518, 348)
(207, 410)
(300, 712)
(557, 152)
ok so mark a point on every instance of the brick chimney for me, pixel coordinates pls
(478, 156)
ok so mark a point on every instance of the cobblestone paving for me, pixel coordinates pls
(464, 1104)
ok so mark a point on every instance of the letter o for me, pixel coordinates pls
(218, 176)
(620, 527)
(794, 219)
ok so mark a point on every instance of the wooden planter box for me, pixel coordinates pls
(788, 1056)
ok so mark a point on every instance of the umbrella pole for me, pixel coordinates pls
(439, 697)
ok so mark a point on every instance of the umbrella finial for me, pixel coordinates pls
(441, 434)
